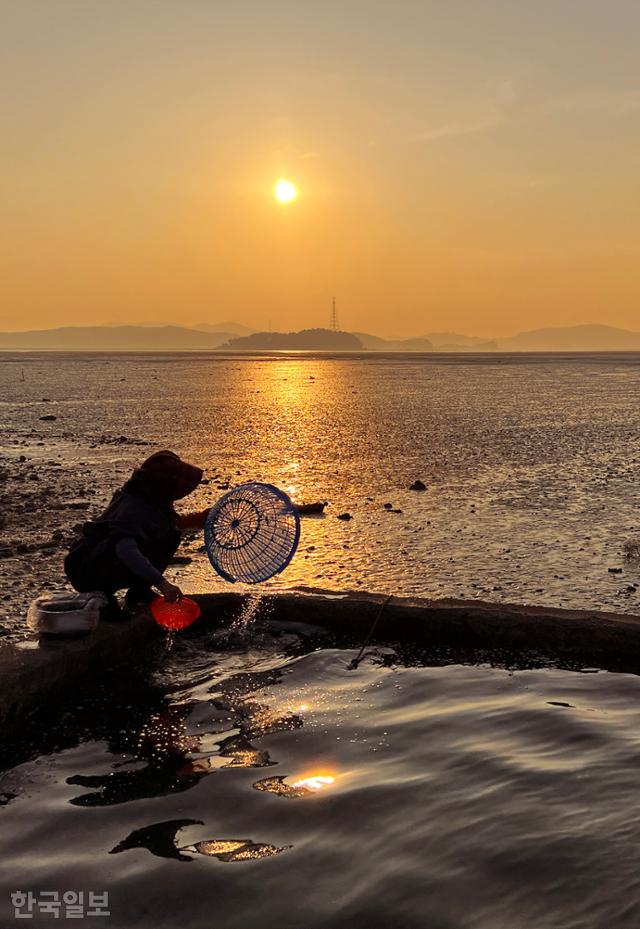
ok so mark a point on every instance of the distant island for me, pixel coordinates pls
(319, 340)
(233, 337)
(373, 343)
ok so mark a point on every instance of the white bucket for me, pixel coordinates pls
(65, 614)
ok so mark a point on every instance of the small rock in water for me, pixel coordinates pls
(615, 570)
(418, 485)
(345, 516)
(48, 418)
(388, 506)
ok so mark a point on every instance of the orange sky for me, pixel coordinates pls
(468, 166)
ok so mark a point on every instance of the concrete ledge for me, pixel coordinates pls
(37, 672)
(589, 638)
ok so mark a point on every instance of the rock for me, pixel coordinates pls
(615, 570)
(345, 516)
(418, 485)
(388, 506)
(49, 418)
(311, 509)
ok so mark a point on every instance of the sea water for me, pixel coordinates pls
(281, 786)
(531, 465)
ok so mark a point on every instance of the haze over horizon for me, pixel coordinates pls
(468, 168)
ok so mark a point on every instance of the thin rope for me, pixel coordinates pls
(352, 666)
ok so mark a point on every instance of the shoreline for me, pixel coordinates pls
(632, 356)
(34, 670)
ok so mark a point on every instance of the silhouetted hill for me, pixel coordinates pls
(411, 345)
(323, 340)
(573, 339)
(443, 340)
(491, 346)
(146, 338)
(227, 328)
(373, 343)
(114, 339)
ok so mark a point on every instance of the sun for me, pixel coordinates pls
(285, 191)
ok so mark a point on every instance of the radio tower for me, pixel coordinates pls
(334, 315)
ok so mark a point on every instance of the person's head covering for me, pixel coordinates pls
(168, 477)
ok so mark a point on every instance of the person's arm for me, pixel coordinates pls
(192, 520)
(130, 555)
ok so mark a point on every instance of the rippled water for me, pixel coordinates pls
(461, 796)
(531, 462)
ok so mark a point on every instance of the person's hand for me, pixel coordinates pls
(170, 592)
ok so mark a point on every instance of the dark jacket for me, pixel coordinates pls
(143, 511)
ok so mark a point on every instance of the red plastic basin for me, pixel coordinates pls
(174, 615)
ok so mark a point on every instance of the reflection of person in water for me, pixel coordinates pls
(161, 840)
(164, 745)
(132, 543)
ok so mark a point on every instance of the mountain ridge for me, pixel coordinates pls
(113, 338)
(580, 338)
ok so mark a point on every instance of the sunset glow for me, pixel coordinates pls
(440, 172)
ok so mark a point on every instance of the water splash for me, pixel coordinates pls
(248, 615)
(240, 633)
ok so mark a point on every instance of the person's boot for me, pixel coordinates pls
(113, 612)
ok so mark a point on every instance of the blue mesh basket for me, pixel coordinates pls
(252, 533)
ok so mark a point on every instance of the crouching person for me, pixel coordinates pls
(132, 543)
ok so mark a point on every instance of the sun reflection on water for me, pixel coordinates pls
(314, 782)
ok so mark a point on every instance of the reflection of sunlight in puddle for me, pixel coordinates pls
(303, 787)
(315, 782)
(235, 849)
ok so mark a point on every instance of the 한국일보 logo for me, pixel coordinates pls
(68, 904)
